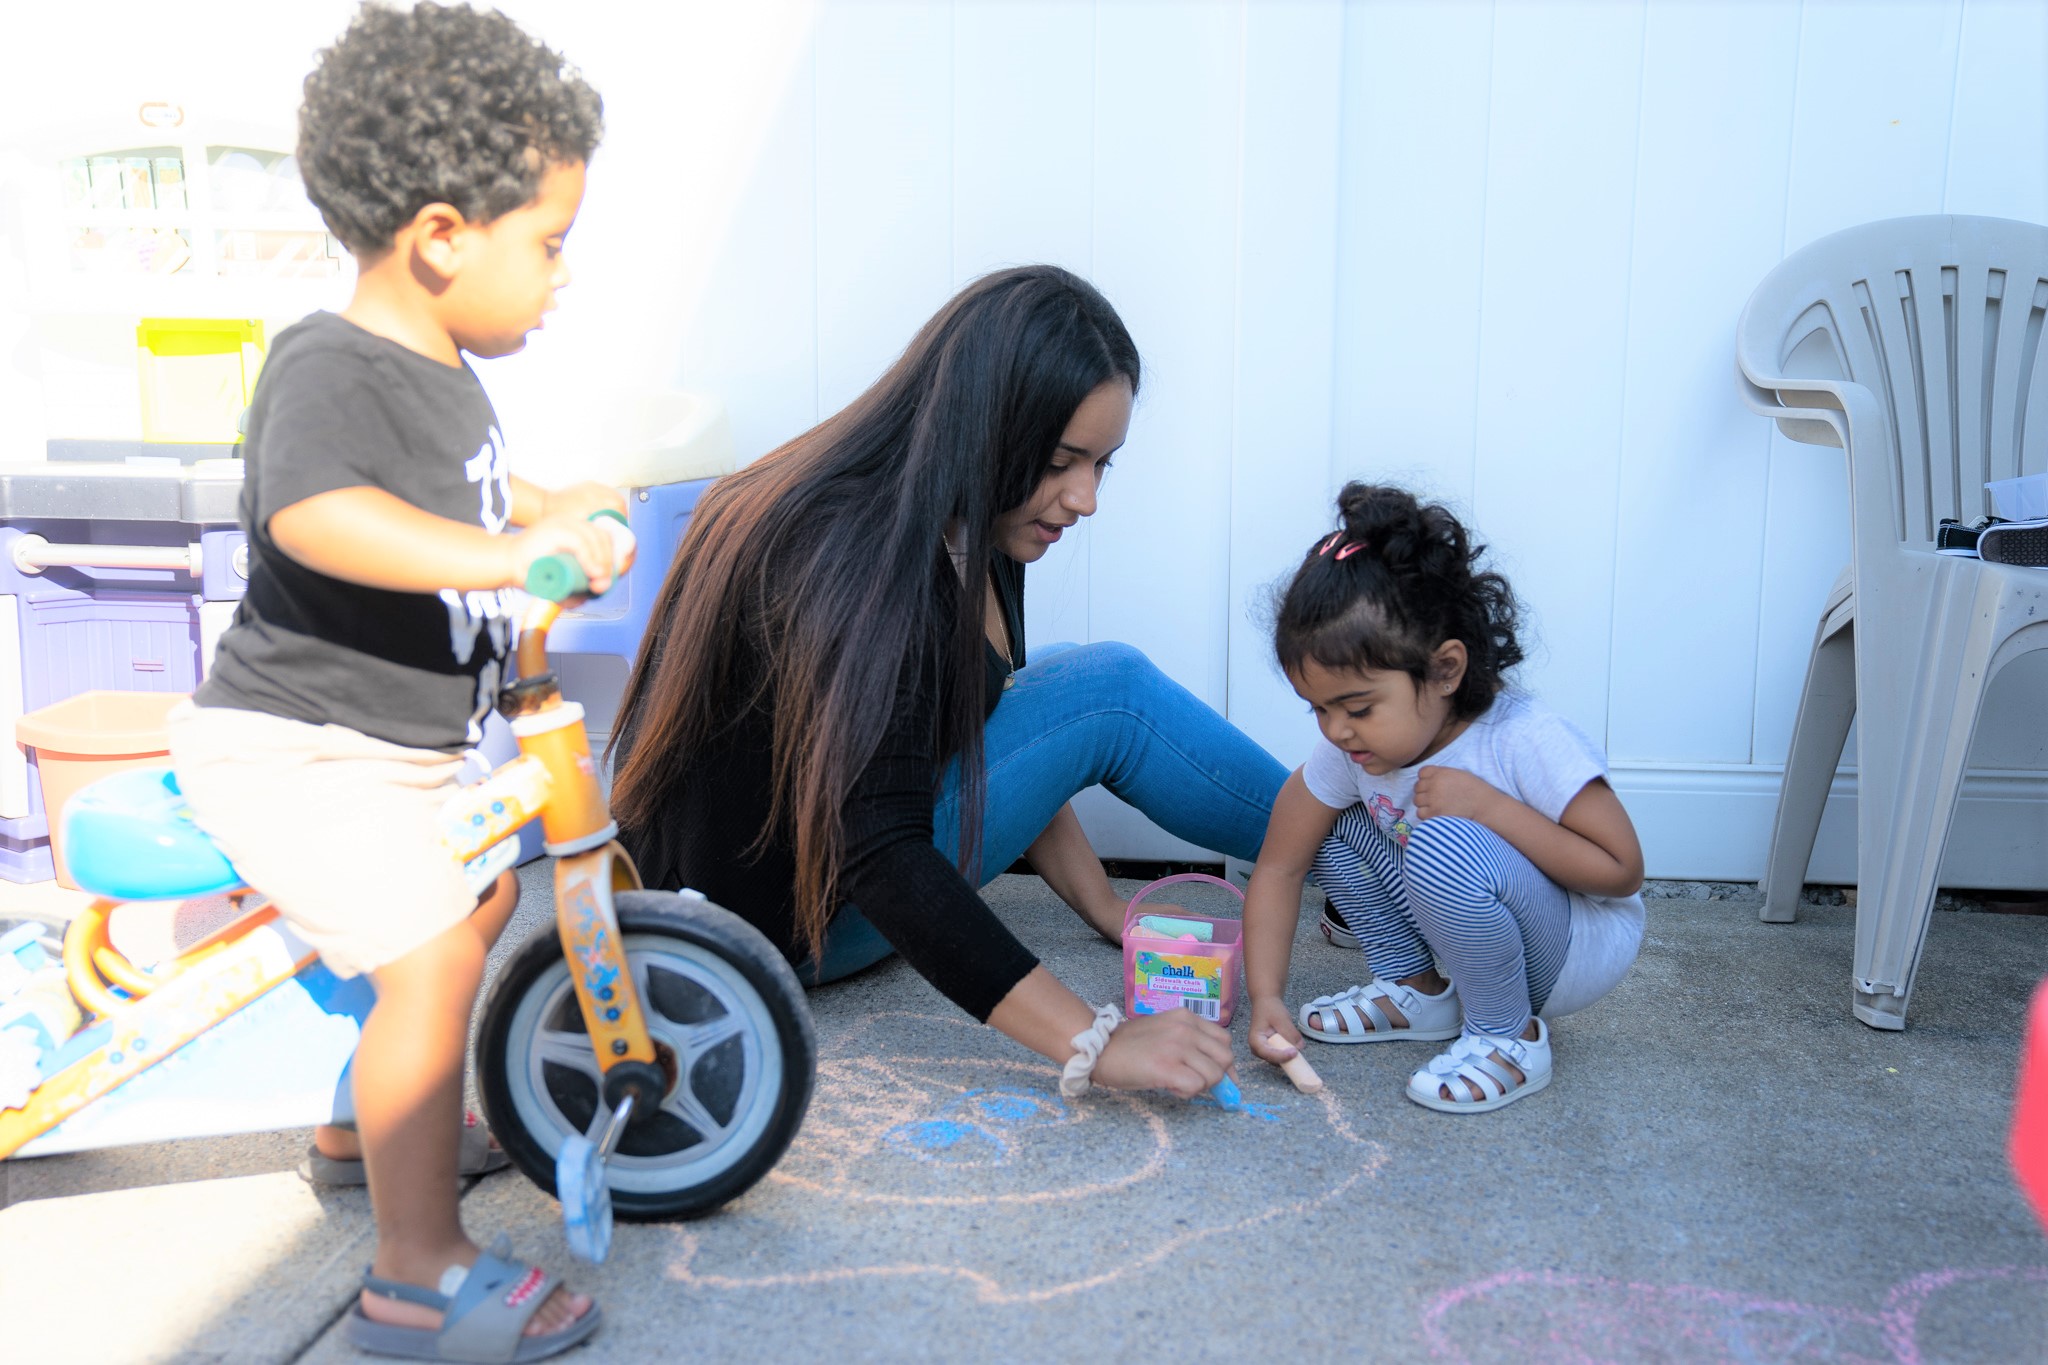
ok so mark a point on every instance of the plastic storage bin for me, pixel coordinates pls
(198, 374)
(90, 736)
(79, 612)
(2021, 499)
(1166, 974)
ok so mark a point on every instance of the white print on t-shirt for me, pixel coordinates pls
(471, 613)
(491, 470)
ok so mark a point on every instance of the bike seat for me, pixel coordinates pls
(131, 837)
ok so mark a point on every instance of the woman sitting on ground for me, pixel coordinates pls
(833, 730)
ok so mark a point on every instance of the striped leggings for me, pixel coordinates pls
(1457, 895)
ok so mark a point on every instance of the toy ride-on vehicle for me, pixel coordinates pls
(653, 1053)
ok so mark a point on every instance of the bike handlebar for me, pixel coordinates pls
(558, 577)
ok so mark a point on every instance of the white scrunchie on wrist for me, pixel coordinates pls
(1088, 1046)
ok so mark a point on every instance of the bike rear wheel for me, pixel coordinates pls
(731, 1030)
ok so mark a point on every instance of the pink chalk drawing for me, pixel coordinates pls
(1542, 1317)
(970, 1142)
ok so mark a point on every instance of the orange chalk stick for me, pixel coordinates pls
(1302, 1074)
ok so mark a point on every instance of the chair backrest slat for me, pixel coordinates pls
(2028, 447)
(1941, 318)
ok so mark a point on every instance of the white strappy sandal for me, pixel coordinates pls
(1431, 1018)
(1471, 1059)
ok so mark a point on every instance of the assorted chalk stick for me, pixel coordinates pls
(1144, 931)
(1203, 931)
(1226, 1093)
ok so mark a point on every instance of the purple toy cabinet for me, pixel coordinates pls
(112, 575)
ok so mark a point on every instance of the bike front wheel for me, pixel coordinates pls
(731, 1030)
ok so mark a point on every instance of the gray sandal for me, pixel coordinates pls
(485, 1320)
(475, 1156)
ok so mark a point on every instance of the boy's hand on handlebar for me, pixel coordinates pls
(570, 533)
(1273, 1035)
(1175, 1051)
(579, 500)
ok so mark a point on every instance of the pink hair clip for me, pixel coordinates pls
(1353, 548)
(1335, 536)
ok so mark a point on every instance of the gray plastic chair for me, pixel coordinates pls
(1916, 345)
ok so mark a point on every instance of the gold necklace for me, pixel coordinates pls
(1003, 645)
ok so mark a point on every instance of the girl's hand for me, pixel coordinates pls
(1273, 1035)
(1453, 791)
(579, 500)
(1175, 1051)
(589, 544)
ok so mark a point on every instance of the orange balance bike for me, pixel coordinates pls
(652, 1054)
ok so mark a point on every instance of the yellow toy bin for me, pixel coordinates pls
(93, 735)
(198, 375)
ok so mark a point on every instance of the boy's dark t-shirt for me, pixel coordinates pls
(338, 407)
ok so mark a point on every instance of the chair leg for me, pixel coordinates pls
(1826, 706)
(1921, 678)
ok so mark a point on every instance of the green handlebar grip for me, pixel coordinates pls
(556, 578)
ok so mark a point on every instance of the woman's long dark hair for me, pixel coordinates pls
(820, 559)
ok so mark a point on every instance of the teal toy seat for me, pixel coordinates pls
(131, 837)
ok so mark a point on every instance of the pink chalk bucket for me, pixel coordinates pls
(1163, 974)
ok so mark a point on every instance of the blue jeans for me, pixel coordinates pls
(1081, 715)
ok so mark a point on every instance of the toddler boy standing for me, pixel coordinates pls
(446, 149)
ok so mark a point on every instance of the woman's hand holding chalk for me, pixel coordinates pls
(1297, 1068)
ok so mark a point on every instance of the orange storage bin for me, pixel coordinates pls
(93, 735)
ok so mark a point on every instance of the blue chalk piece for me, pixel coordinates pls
(1227, 1094)
(1263, 1113)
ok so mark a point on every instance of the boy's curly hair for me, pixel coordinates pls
(437, 104)
(1398, 579)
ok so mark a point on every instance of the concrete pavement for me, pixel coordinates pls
(1726, 1167)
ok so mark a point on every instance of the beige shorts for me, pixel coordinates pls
(338, 829)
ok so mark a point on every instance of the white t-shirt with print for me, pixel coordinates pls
(1542, 760)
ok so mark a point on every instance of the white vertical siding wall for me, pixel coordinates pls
(1495, 250)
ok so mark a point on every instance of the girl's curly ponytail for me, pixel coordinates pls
(1397, 580)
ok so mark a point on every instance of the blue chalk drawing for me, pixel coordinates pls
(1022, 1105)
(1009, 1108)
(935, 1135)
(968, 1130)
(953, 1144)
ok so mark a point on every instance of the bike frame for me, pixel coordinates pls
(221, 975)
(554, 779)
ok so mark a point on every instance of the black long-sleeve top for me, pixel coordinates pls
(715, 810)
